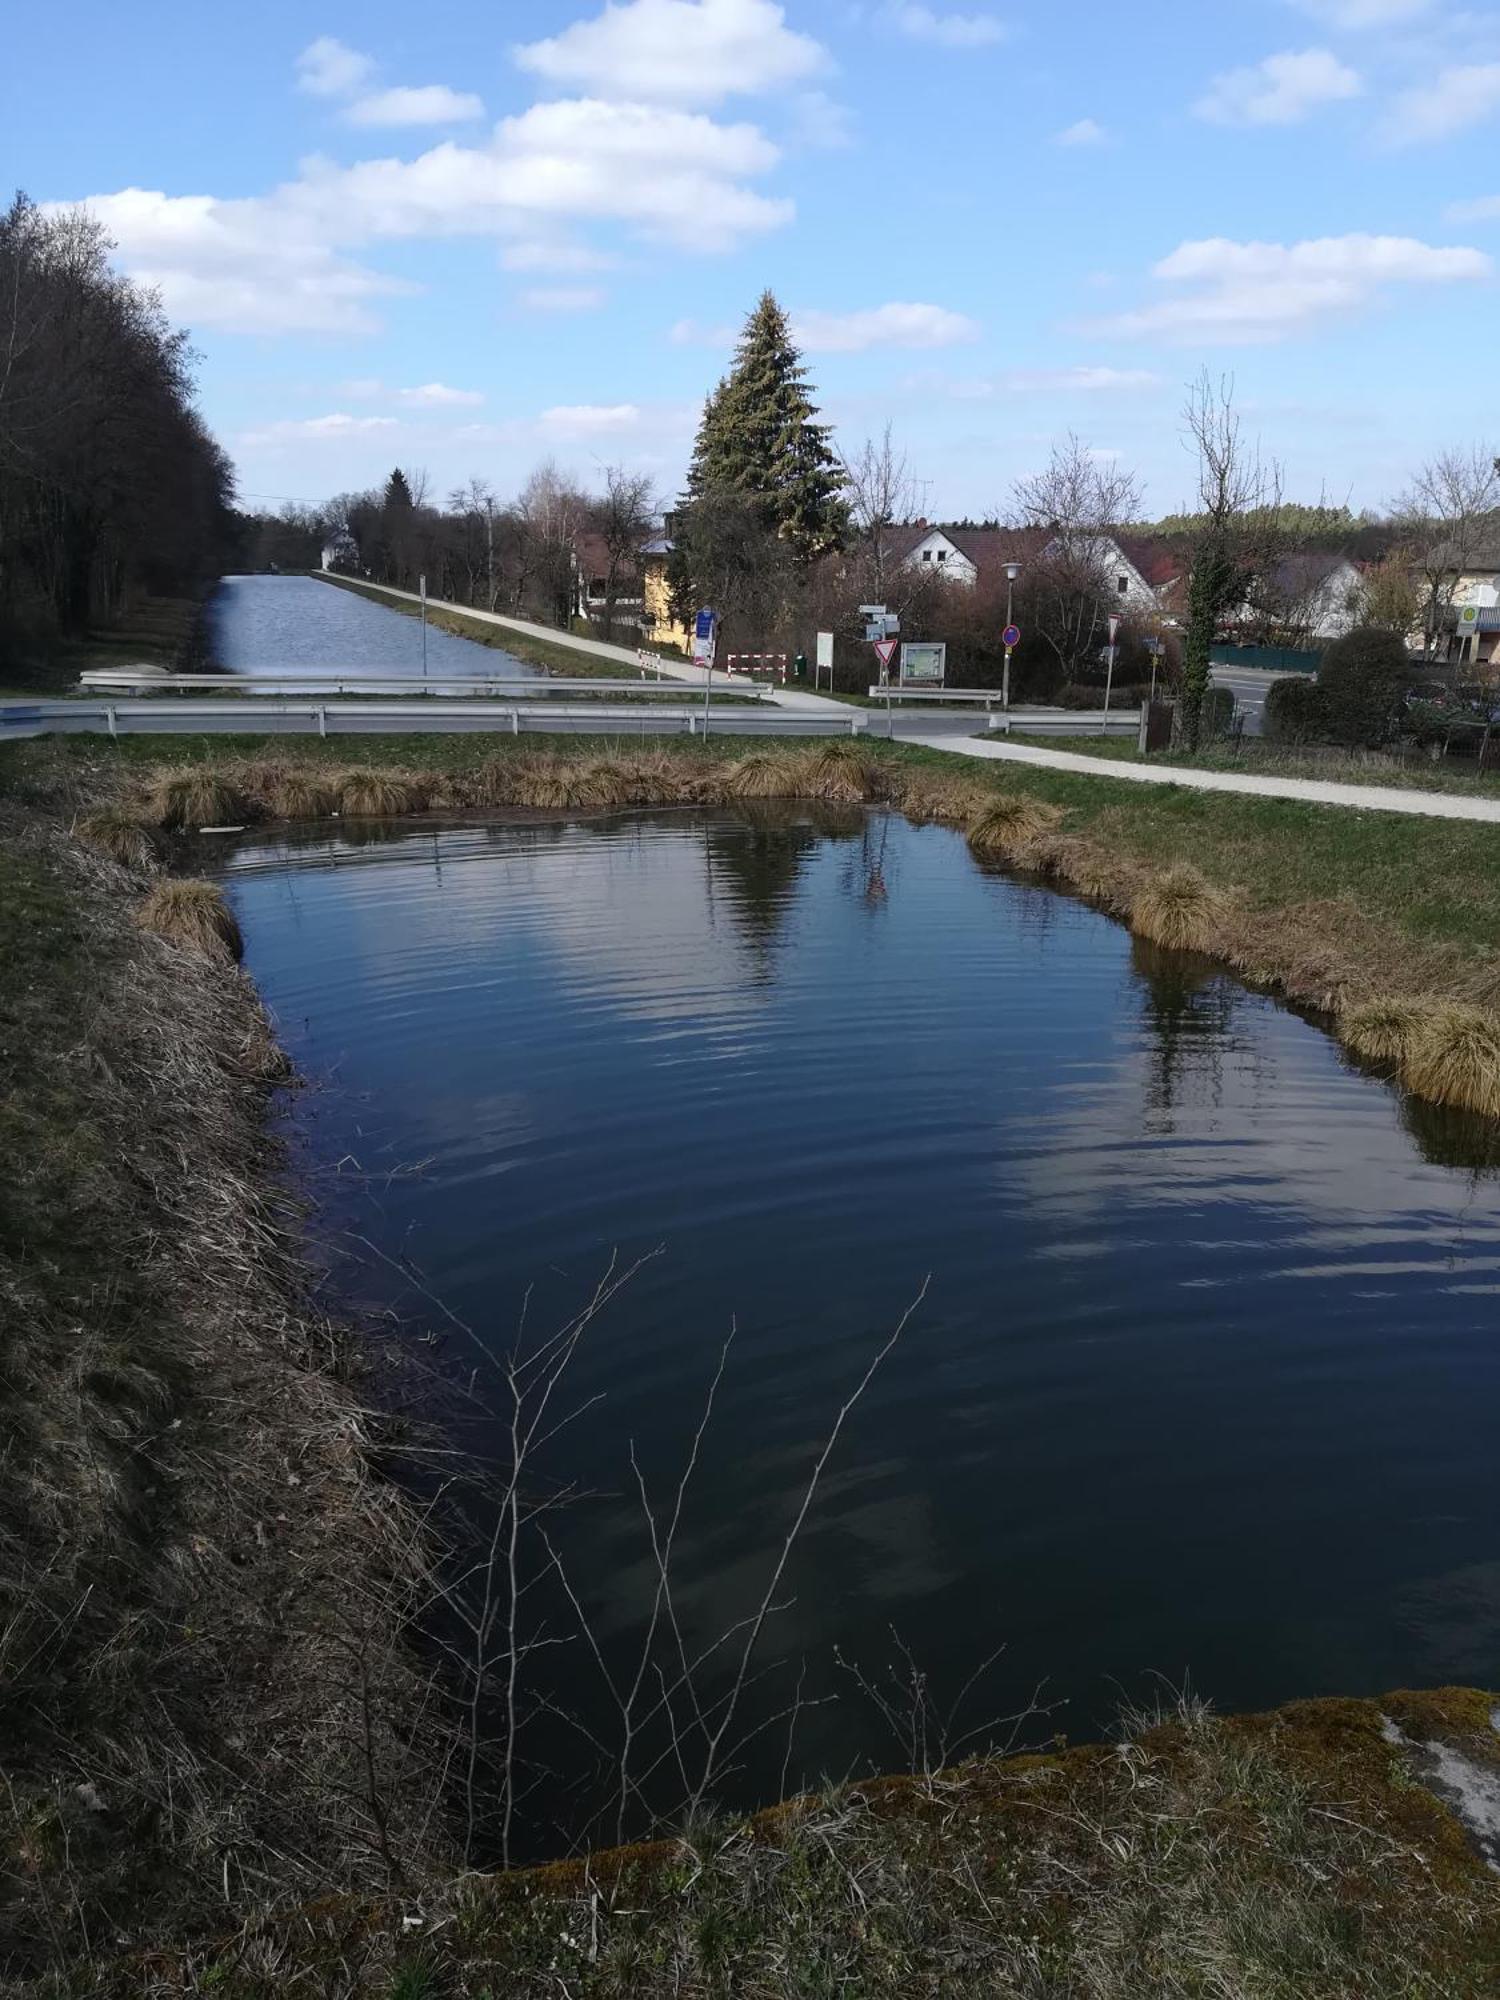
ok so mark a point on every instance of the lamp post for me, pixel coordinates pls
(1012, 571)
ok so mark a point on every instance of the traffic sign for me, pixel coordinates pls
(885, 650)
(1114, 628)
(1011, 637)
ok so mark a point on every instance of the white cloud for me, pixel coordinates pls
(555, 256)
(894, 325)
(947, 31)
(1087, 132)
(691, 333)
(1455, 100)
(1085, 380)
(1266, 291)
(562, 298)
(1282, 90)
(438, 395)
(326, 68)
(418, 104)
(589, 419)
(677, 51)
(275, 263)
(1357, 14)
(1485, 209)
(337, 426)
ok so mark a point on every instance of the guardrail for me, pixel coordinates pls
(109, 680)
(269, 717)
(987, 697)
(1067, 722)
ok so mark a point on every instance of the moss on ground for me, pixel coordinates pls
(1290, 1856)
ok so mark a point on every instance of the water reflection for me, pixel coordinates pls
(1206, 1378)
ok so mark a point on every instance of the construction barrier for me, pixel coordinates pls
(758, 663)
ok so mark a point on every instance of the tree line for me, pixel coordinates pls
(110, 484)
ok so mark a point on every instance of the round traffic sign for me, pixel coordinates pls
(1011, 637)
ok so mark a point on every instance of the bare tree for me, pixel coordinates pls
(1448, 509)
(1080, 500)
(626, 515)
(550, 513)
(470, 538)
(881, 491)
(1236, 531)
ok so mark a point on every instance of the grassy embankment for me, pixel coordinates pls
(1256, 757)
(205, 1702)
(1390, 925)
(554, 658)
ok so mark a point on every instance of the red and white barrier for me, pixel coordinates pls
(758, 663)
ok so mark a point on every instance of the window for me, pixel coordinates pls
(927, 555)
(942, 555)
(1122, 584)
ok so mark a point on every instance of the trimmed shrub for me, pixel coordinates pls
(1362, 684)
(1294, 710)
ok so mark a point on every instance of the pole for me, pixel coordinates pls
(423, 588)
(489, 551)
(708, 680)
(1010, 593)
(1109, 680)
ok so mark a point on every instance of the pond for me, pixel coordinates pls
(298, 625)
(1204, 1382)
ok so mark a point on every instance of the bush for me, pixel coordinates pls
(1294, 710)
(1362, 684)
(1218, 712)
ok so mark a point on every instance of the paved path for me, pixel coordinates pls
(1310, 791)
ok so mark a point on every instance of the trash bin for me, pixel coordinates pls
(799, 667)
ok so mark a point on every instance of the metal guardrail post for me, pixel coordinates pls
(322, 715)
(113, 728)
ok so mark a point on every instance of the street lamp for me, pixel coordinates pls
(1012, 571)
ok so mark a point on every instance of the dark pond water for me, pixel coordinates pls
(296, 625)
(1206, 1379)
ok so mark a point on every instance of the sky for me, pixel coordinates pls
(472, 237)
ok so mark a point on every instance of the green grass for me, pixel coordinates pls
(1273, 760)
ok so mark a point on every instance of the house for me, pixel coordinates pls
(341, 551)
(591, 561)
(961, 555)
(1306, 599)
(1469, 626)
(658, 621)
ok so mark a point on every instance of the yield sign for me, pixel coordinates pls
(885, 650)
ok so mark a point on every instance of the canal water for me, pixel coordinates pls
(297, 625)
(1204, 1385)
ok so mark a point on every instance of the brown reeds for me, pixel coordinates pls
(1008, 826)
(761, 775)
(370, 794)
(1454, 1058)
(840, 772)
(1382, 1030)
(194, 914)
(121, 835)
(1180, 910)
(186, 796)
(293, 792)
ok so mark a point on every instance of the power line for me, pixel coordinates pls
(299, 499)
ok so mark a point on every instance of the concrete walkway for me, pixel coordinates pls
(1308, 791)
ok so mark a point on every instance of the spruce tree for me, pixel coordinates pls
(759, 439)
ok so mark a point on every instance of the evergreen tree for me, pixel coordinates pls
(759, 440)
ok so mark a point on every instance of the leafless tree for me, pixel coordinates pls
(471, 539)
(625, 514)
(1080, 501)
(881, 491)
(1236, 531)
(550, 513)
(1451, 506)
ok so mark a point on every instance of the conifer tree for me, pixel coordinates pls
(759, 439)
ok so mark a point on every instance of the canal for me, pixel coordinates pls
(1204, 1382)
(297, 624)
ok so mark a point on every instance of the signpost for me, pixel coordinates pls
(824, 659)
(422, 586)
(924, 663)
(1109, 672)
(1010, 638)
(705, 632)
(884, 652)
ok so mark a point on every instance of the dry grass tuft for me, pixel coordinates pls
(120, 834)
(193, 914)
(1384, 1030)
(295, 793)
(939, 798)
(840, 772)
(760, 775)
(379, 794)
(1008, 827)
(1454, 1058)
(185, 796)
(1180, 910)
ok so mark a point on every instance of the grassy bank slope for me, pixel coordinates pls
(1294, 1856)
(204, 1699)
(158, 631)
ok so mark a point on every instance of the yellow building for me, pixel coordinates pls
(659, 624)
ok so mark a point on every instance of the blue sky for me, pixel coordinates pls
(471, 237)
